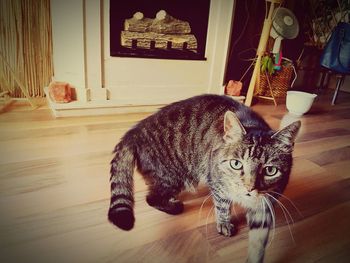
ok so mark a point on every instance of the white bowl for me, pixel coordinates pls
(299, 102)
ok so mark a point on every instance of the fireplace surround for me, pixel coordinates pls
(109, 84)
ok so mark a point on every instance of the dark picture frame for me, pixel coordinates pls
(196, 13)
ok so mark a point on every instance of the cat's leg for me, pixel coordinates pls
(223, 216)
(163, 197)
(259, 227)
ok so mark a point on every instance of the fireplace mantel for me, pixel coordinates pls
(106, 84)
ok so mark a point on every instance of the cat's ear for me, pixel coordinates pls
(233, 128)
(287, 135)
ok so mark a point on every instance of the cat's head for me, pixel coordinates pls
(252, 162)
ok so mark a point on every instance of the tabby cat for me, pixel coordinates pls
(210, 138)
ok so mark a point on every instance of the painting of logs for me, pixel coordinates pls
(163, 32)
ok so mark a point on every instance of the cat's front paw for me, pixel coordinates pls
(226, 228)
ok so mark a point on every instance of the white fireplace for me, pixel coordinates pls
(106, 84)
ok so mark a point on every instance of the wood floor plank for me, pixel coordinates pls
(331, 156)
(323, 134)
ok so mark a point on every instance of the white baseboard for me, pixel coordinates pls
(93, 108)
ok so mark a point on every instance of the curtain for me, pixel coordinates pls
(25, 47)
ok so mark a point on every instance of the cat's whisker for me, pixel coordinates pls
(206, 222)
(264, 212)
(201, 207)
(285, 213)
(273, 222)
(290, 201)
(273, 219)
(284, 208)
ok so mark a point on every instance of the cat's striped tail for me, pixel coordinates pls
(121, 210)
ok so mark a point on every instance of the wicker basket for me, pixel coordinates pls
(280, 82)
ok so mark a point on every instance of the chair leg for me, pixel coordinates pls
(324, 77)
(339, 82)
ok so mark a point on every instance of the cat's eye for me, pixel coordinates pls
(271, 170)
(236, 165)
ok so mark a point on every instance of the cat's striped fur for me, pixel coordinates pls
(207, 137)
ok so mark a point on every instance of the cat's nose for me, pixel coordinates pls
(249, 183)
(249, 187)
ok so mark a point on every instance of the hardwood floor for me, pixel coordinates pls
(54, 195)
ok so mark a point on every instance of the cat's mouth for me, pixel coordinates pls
(251, 199)
(253, 193)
